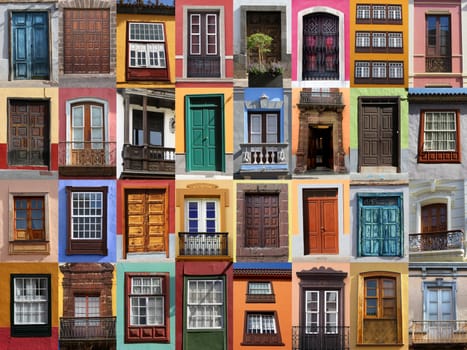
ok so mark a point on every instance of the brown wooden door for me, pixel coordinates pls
(147, 222)
(86, 41)
(262, 220)
(378, 125)
(28, 133)
(321, 222)
(270, 24)
(434, 218)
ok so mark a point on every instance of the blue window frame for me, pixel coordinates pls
(203, 215)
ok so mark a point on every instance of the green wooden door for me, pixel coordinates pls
(205, 147)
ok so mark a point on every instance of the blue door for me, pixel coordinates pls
(30, 45)
(380, 220)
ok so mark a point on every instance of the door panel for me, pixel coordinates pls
(262, 220)
(30, 45)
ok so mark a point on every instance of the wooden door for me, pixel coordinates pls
(270, 24)
(321, 234)
(147, 223)
(86, 41)
(434, 218)
(379, 127)
(28, 139)
(30, 45)
(262, 220)
(205, 146)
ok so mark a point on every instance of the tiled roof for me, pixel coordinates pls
(438, 91)
(255, 269)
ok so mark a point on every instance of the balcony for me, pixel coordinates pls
(331, 100)
(438, 332)
(93, 329)
(320, 338)
(146, 160)
(203, 244)
(441, 64)
(445, 245)
(86, 158)
(264, 157)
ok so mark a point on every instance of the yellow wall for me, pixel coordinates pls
(6, 269)
(383, 56)
(180, 94)
(121, 48)
(358, 268)
(29, 93)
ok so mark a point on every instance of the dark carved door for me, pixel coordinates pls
(262, 220)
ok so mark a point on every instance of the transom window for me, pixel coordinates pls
(202, 215)
(375, 13)
(205, 305)
(439, 136)
(379, 72)
(147, 45)
(29, 218)
(146, 301)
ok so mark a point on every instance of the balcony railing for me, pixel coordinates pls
(148, 158)
(264, 153)
(432, 332)
(320, 338)
(204, 67)
(87, 328)
(145, 3)
(438, 64)
(203, 244)
(322, 98)
(86, 154)
(435, 241)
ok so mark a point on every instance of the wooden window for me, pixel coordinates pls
(434, 218)
(147, 307)
(203, 45)
(390, 42)
(379, 308)
(438, 43)
(203, 215)
(30, 305)
(261, 328)
(261, 220)
(87, 306)
(153, 134)
(439, 137)
(86, 42)
(146, 51)
(87, 215)
(379, 14)
(376, 72)
(205, 304)
(260, 292)
(29, 218)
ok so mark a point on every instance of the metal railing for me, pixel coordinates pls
(438, 64)
(438, 332)
(434, 241)
(86, 153)
(321, 98)
(87, 328)
(264, 153)
(320, 338)
(204, 67)
(203, 243)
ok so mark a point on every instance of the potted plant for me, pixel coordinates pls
(263, 73)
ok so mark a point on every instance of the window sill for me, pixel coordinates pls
(28, 247)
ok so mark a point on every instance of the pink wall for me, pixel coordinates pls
(300, 5)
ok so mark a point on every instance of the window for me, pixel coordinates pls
(439, 306)
(325, 320)
(434, 218)
(260, 292)
(378, 14)
(203, 44)
(379, 308)
(379, 72)
(146, 51)
(31, 313)
(205, 305)
(438, 43)
(87, 228)
(380, 225)
(261, 220)
(87, 306)
(147, 307)
(261, 328)
(263, 127)
(378, 42)
(439, 137)
(202, 215)
(154, 133)
(29, 221)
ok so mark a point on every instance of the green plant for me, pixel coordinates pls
(260, 43)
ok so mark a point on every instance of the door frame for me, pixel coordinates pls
(220, 149)
(380, 100)
(302, 212)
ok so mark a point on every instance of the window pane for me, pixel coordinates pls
(87, 215)
(205, 304)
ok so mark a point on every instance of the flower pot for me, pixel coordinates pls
(266, 79)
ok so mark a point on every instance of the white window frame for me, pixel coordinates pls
(261, 323)
(81, 218)
(311, 326)
(396, 70)
(195, 34)
(379, 12)
(363, 11)
(331, 327)
(439, 131)
(362, 69)
(146, 52)
(395, 40)
(147, 301)
(394, 12)
(202, 218)
(205, 310)
(259, 288)
(363, 39)
(378, 40)
(31, 300)
(379, 70)
(211, 32)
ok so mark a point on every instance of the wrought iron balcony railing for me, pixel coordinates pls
(203, 244)
(148, 158)
(320, 338)
(204, 67)
(438, 64)
(86, 154)
(87, 328)
(434, 241)
(318, 97)
(432, 332)
(264, 153)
